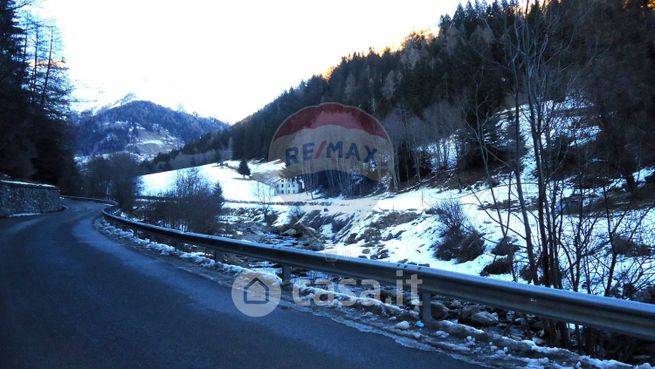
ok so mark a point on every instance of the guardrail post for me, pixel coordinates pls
(426, 308)
(218, 256)
(286, 274)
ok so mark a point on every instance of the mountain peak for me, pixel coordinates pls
(104, 104)
(130, 97)
(138, 126)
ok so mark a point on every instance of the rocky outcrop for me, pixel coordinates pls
(27, 198)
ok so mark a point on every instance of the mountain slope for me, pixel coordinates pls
(139, 127)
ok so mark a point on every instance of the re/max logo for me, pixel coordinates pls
(310, 151)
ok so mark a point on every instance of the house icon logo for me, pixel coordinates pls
(256, 294)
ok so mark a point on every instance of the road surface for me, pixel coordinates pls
(72, 298)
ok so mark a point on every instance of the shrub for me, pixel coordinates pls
(505, 248)
(525, 273)
(295, 214)
(627, 247)
(338, 225)
(647, 295)
(451, 215)
(472, 247)
(460, 241)
(194, 204)
(501, 265)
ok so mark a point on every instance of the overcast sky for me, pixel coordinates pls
(223, 59)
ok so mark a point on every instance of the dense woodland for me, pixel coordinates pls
(36, 140)
(602, 52)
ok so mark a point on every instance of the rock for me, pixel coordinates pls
(290, 232)
(454, 304)
(381, 254)
(438, 310)
(484, 319)
(315, 246)
(387, 295)
(466, 314)
(351, 239)
(309, 231)
(403, 325)
(366, 251)
(371, 234)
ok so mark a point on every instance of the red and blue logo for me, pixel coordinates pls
(331, 137)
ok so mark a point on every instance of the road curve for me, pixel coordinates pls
(72, 298)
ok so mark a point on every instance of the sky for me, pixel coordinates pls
(225, 59)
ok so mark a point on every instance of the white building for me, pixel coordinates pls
(287, 186)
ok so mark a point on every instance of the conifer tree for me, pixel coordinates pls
(243, 169)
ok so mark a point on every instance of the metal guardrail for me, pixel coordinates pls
(610, 314)
(113, 203)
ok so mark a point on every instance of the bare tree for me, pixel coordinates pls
(114, 177)
(265, 195)
(193, 204)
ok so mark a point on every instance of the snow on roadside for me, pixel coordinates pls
(198, 258)
(22, 215)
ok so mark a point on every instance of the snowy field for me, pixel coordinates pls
(405, 242)
(235, 186)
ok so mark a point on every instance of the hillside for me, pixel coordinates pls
(139, 127)
(459, 78)
(412, 225)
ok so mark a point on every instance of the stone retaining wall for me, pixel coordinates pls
(27, 198)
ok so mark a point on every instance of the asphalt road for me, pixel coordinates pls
(72, 298)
